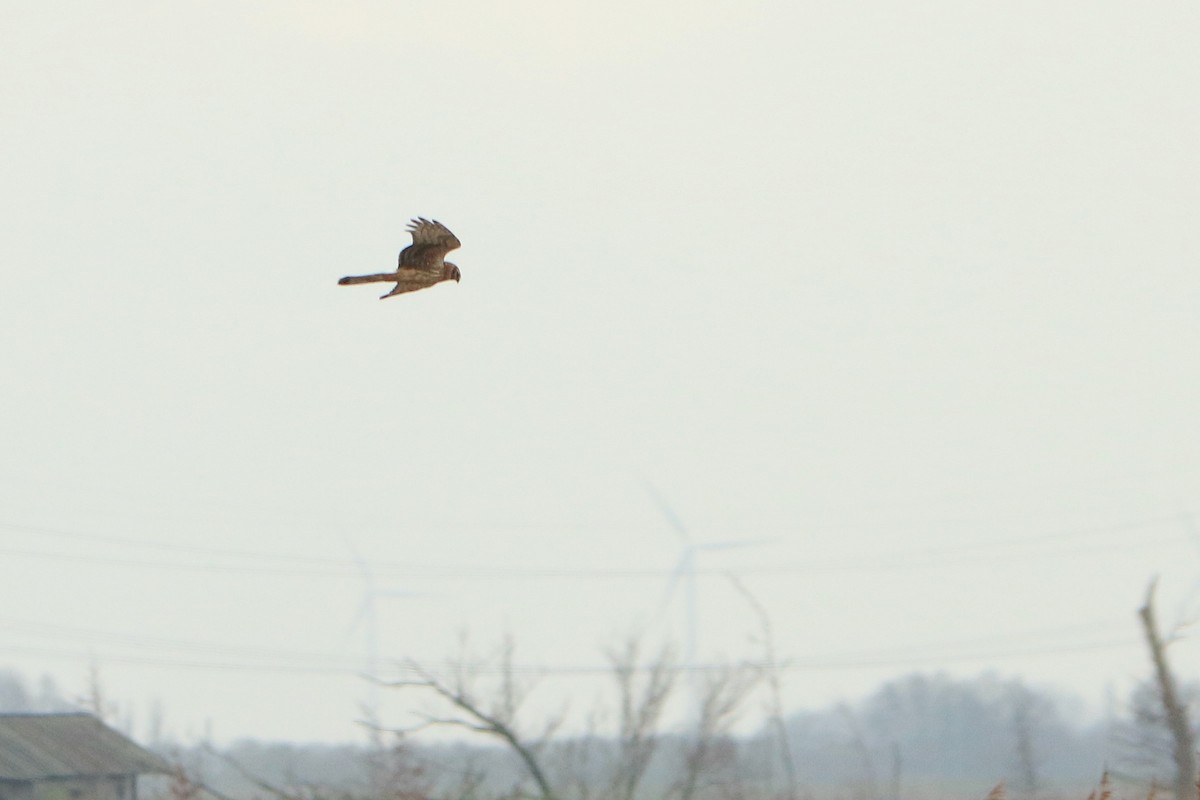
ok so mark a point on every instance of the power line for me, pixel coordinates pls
(1018, 548)
(83, 644)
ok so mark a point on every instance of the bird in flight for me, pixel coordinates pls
(422, 263)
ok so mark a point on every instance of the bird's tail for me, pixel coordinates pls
(378, 277)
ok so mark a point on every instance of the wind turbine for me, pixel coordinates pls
(368, 617)
(685, 571)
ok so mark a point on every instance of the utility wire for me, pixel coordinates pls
(76, 643)
(291, 565)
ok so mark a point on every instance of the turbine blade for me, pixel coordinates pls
(734, 544)
(668, 512)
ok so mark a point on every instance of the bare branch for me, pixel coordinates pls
(1174, 709)
(724, 693)
(774, 687)
(864, 750)
(641, 709)
(499, 723)
(250, 776)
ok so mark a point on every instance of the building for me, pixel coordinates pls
(69, 757)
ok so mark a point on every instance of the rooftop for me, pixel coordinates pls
(39, 746)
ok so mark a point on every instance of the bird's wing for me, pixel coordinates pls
(409, 279)
(431, 241)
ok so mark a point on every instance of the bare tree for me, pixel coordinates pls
(1025, 714)
(96, 700)
(395, 772)
(473, 713)
(897, 776)
(641, 700)
(643, 691)
(868, 783)
(576, 760)
(1174, 710)
(721, 698)
(774, 688)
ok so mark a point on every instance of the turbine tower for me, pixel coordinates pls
(368, 617)
(685, 571)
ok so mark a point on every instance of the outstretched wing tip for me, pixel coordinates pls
(430, 231)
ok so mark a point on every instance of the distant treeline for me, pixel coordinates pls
(919, 735)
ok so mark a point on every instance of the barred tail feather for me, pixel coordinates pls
(378, 277)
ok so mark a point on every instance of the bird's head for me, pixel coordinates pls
(450, 273)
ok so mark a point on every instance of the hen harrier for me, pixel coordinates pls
(422, 263)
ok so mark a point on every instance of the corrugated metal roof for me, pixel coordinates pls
(36, 746)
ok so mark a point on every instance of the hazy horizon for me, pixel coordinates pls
(907, 295)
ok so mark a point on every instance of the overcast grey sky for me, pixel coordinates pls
(909, 289)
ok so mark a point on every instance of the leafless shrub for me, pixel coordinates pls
(708, 749)
(494, 716)
(182, 785)
(396, 773)
(770, 670)
(642, 696)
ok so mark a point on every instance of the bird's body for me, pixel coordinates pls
(422, 264)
